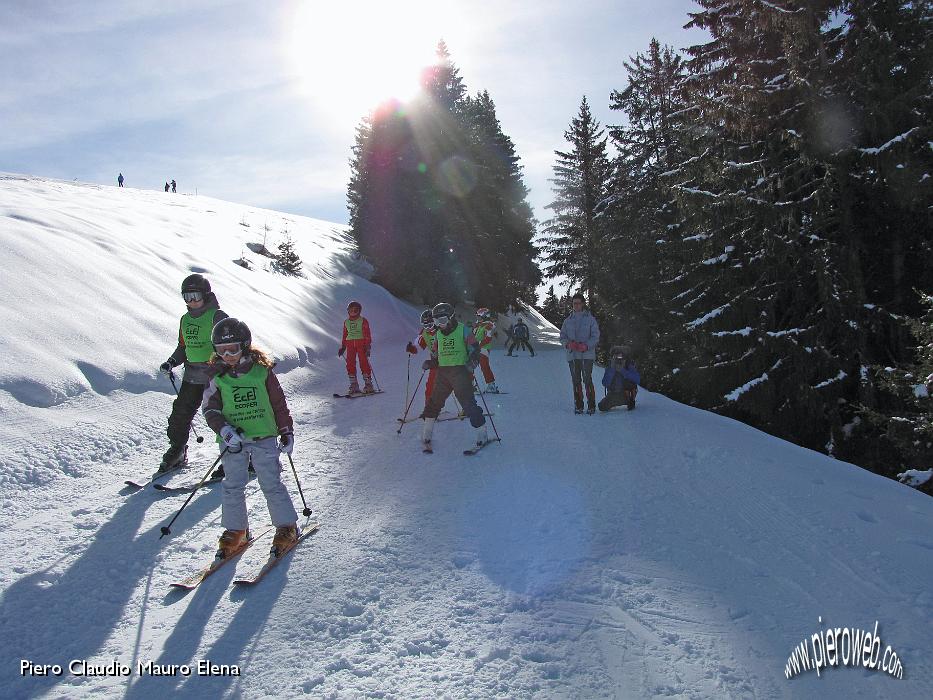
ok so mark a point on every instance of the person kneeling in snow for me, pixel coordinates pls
(245, 405)
(620, 379)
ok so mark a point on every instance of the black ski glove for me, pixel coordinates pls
(429, 364)
(341, 351)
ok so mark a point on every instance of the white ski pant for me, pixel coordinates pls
(265, 454)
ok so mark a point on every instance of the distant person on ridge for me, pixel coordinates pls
(120, 180)
(483, 330)
(166, 187)
(579, 333)
(519, 334)
(425, 341)
(194, 350)
(621, 380)
(357, 341)
(173, 185)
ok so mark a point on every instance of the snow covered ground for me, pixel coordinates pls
(664, 552)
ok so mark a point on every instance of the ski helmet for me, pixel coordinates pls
(443, 310)
(196, 283)
(358, 305)
(483, 313)
(427, 319)
(231, 330)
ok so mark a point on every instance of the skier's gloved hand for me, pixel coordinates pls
(366, 349)
(582, 347)
(429, 364)
(473, 361)
(341, 351)
(286, 442)
(166, 367)
(231, 439)
(410, 348)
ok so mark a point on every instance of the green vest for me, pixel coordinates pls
(480, 332)
(196, 332)
(452, 349)
(246, 402)
(428, 338)
(354, 328)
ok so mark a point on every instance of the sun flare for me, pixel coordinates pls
(350, 56)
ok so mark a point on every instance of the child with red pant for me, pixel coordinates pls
(483, 330)
(425, 339)
(356, 342)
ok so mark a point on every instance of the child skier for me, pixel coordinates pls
(483, 331)
(620, 379)
(455, 354)
(194, 350)
(244, 404)
(425, 341)
(519, 335)
(357, 341)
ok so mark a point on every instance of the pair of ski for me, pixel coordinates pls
(256, 570)
(358, 395)
(441, 420)
(428, 449)
(155, 479)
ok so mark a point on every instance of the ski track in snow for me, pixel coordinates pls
(665, 552)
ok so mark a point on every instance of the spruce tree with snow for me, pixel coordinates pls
(287, 260)
(580, 184)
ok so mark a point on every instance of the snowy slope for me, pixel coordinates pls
(663, 552)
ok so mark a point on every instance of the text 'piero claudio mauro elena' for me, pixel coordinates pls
(115, 668)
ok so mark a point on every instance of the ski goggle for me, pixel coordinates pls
(428, 325)
(441, 320)
(192, 296)
(228, 350)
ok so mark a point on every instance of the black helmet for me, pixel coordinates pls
(358, 305)
(196, 283)
(620, 351)
(231, 330)
(427, 318)
(443, 310)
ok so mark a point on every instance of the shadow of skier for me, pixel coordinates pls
(55, 618)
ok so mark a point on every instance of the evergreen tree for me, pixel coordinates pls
(581, 183)
(287, 260)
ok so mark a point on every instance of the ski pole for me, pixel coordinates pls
(491, 421)
(372, 373)
(399, 431)
(166, 529)
(307, 511)
(407, 379)
(171, 375)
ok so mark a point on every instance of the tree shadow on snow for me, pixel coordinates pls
(55, 618)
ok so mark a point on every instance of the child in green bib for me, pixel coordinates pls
(245, 405)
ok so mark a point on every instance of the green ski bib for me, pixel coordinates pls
(246, 402)
(354, 328)
(197, 335)
(452, 349)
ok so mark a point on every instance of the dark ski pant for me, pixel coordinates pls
(185, 406)
(619, 398)
(458, 380)
(521, 343)
(581, 372)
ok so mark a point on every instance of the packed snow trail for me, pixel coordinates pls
(661, 552)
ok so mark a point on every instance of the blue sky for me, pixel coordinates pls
(258, 102)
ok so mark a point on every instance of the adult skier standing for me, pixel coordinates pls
(425, 341)
(579, 333)
(245, 405)
(194, 350)
(455, 354)
(357, 342)
(483, 331)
